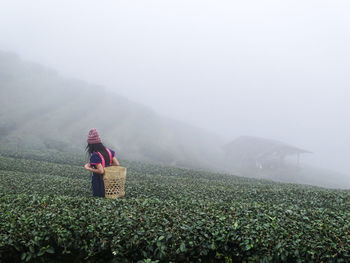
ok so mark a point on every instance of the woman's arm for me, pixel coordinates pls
(98, 170)
(115, 161)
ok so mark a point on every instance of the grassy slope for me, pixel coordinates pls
(168, 214)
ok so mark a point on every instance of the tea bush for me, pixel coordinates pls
(168, 214)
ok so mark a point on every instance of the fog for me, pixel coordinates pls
(274, 69)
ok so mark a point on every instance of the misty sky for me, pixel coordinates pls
(275, 69)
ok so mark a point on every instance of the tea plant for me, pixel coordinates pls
(168, 214)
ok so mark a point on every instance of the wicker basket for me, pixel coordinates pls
(114, 180)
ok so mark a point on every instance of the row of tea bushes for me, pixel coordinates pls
(18, 182)
(168, 214)
(42, 167)
(35, 226)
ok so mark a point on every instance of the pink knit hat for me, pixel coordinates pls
(93, 137)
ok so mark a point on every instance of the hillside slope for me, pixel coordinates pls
(42, 108)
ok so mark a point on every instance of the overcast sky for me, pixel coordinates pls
(275, 69)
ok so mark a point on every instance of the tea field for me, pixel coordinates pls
(168, 215)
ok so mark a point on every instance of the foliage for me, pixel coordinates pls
(168, 214)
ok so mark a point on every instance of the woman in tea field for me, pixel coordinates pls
(100, 157)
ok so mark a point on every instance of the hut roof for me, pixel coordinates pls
(248, 147)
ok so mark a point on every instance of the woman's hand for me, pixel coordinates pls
(87, 167)
(115, 161)
(98, 170)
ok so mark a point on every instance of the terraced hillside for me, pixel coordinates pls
(168, 214)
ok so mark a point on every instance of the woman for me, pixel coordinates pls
(100, 157)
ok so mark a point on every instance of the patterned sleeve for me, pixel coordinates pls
(95, 159)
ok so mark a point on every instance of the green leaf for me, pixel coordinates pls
(23, 256)
(182, 247)
(50, 250)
